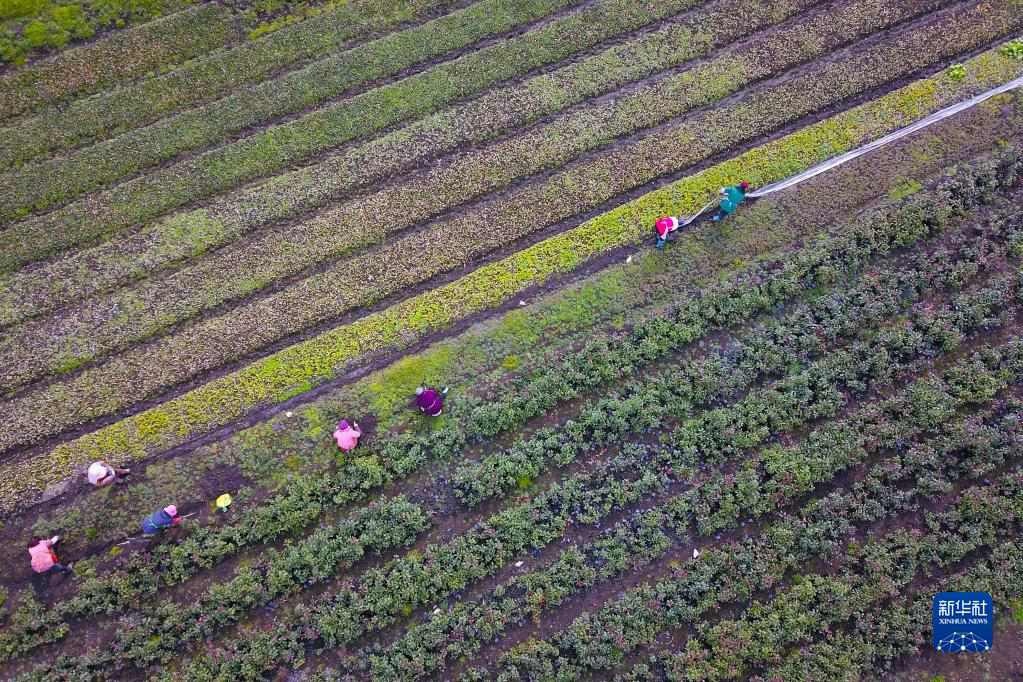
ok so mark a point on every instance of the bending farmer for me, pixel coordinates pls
(101, 474)
(346, 436)
(161, 520)
(664, 226)
(44, 561)
(733, 196)
(430, 401)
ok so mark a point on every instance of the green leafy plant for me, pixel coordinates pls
(1013, 50)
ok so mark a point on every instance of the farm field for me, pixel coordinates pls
(756, 454)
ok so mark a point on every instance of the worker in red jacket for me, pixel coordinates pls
(664, 226)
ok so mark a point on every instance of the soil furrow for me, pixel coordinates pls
(145, 353)
(35, 283)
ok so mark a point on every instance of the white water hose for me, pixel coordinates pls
(939, 115)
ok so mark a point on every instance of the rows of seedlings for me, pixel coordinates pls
(229, 395)
(484, 363)
(606, 420)
(149, 309)
(148, 370)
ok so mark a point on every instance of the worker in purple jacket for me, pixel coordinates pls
(430, 401)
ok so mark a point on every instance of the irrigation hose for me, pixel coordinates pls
(939, 115)
(813, 171)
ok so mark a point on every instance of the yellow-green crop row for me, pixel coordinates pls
(104, 325)
(187, 235)
(60, 179)
(117, 57)
(271, 150)
(298, 367)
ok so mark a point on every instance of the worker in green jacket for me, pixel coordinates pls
(733, 196)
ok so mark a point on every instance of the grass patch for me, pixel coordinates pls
(904, 189)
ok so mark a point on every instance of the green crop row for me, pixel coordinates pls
(601, 640)
(146, 309)
(272, 150)
(205, 77)
(884, 636)
(462, 629)
(144, 372)
(508, 354)
(119, 57)
(383, 595)
(317, 359)
(314, 559)
(183, 236)
(59, 180)
(394, 458)
(727, 431)
(31, 25)
(278, 516)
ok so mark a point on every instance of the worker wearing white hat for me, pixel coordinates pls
(101, 474)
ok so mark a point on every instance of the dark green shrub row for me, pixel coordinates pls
(964, 448)
(883, 637)
(601, 640)
(773, 349)
(761, 288)
(383, 595)
(811, 394)
(868, 576)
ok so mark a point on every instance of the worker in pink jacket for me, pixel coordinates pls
(44, 560)
(346, 436)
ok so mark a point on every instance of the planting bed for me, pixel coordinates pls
(755, 454)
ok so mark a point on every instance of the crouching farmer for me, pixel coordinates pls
(733, 196)
(155, 525)
(430, 401)
(346, 436)
(44, 561)
(102, 474)
(664, 226)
